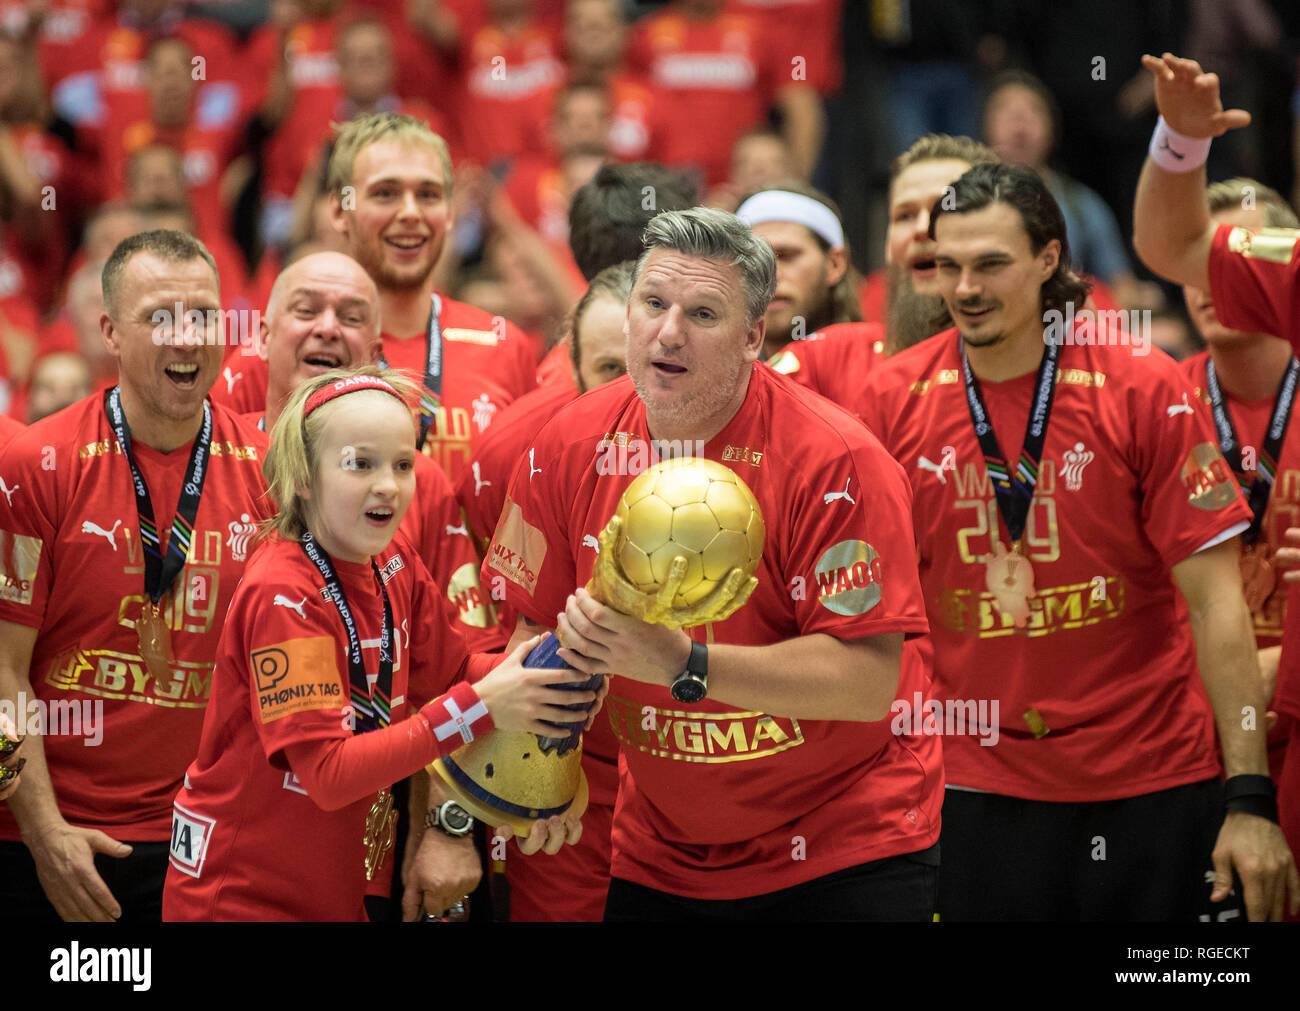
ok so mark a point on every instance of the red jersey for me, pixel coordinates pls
(712, 80)
(835, 361)
(1126, 489)
(873, 295)
(205, 153)
(807, 35)
(281, 679)
(1255, 284)
(711, 797)
(1250, 419)
(487, 363)
(507, 82)
(313, 81)
(71, 566)
(9, 428)
(556, 367)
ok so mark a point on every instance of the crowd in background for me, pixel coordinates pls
(215, 118)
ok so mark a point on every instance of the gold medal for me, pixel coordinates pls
(1258, 577)
(381, 832)
(155, 638)
(1010, 578)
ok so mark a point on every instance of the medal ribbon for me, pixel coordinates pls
(160, 573)
(371, 702)
(1261, 486)
(431, 391)
(1014, 492)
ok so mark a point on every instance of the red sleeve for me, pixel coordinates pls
(341, 772)
(856, 559)
(1253, 280)
(29, 526)
(1189, 495)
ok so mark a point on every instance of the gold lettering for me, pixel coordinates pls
(733, 737)
(767, 728)
(694, 744)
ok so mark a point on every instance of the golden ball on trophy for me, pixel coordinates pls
(688, 508)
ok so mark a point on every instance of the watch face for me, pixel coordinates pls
(456, 818)
(688, 689)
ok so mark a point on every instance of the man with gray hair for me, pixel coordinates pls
(110, 605)
(759, 777)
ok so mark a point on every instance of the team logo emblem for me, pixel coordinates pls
(479, 483)
(1173, 410)
(484, 409)
(109, 535)
(831, 496)
(1073, 462)
(8, 492)
(947, 461)
(241, 530)
(848, 578)
(284, 601)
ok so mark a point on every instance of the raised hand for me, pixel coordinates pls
(1188, 98)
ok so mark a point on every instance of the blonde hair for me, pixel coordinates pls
(358, 134)
(291, 462)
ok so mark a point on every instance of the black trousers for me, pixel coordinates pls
(1144, 858)
(894, 889)
(136, 881)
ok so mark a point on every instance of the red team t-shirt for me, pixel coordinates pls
(1125, 490)
(710, 799)
(1255, 284)
(712, 79)
(248, 842)
(71, 566)
(835, 361)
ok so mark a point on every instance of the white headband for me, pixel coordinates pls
(782, 205)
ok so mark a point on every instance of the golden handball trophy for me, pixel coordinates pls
(680, 550)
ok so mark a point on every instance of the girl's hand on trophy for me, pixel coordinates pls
(526, 698)
(600, 640)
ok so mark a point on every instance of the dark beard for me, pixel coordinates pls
(817, 318)
(911, 318)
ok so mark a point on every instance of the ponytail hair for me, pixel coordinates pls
(291, 462)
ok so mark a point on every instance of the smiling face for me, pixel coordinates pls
(689, 351)
(324, 314)
(1200, 306)
(365, 475)
(166, 370)
(989, 276)
(602, 348)
(908, 246)
(402, 213)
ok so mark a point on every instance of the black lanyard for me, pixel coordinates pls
(1013, 494)
(1266, 470)
(431, 392)
(160, 573)
(371, 703)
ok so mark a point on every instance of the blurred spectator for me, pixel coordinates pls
(595, 38)
(507, 62)
(101, 80)
(1172, 332)
(1021, 121)
(76, 328)
(293, 64)
(173, 120)
(759, 158)
(806, 34)
(714, 76)
(58, 380)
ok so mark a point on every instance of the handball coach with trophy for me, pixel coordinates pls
(759, 776)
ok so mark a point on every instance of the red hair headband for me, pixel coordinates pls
(350, 385)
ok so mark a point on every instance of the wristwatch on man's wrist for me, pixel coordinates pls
(451, 819)
(692, 684)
